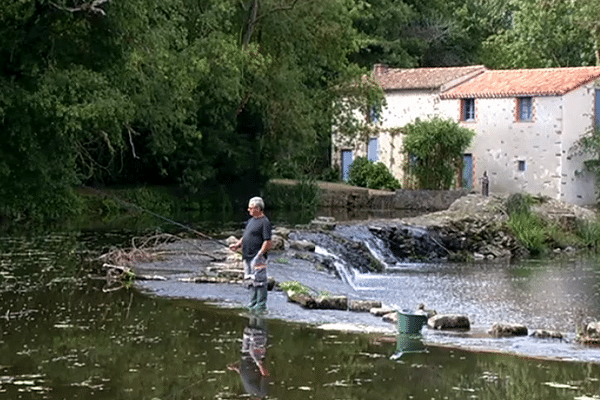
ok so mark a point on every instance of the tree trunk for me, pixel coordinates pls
(251, 22)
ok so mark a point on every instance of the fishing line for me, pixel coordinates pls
(138, 208)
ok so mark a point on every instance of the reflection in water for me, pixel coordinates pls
(251, 367)
(408, 344)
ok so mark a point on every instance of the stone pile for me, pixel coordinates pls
(470, 238)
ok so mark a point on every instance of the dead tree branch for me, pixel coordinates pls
(92, 7)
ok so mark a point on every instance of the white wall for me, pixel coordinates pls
(403, 107)
(544, 144)
(501, 143)
(578, 186)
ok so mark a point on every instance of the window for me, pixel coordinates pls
(524, 109)
(521, 165)
(374, 115)
(467, 110)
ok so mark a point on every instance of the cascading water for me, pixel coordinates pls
(351, 261)
(346, 274)
(377, 247)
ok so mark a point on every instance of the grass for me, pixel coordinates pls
(529, 230)
(294, 286)
(538, 235)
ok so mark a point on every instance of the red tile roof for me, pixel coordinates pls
(422, 78)
(524, 82)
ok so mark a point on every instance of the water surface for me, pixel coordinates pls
(62, 337)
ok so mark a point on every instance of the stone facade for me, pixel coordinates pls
(535, 156)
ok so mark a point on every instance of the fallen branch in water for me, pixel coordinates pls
(151, 248)
(117, 277)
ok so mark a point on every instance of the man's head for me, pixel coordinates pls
(256, 205)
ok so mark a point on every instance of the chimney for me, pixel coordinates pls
(379, 69)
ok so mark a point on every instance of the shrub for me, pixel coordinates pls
(519, 203)
(304, 195)
(366, 173)
(435, 149)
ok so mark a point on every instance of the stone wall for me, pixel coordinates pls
(342, 196)
(360, 198)
(431, 200)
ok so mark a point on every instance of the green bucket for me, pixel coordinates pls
(411, 323)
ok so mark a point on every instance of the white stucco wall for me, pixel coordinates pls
(544, 144)
(406, 106)
(403, 107)
(578, 186)
(501, 143)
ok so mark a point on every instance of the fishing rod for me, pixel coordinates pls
(139, 208)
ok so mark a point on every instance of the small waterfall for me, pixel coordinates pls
(346, 259)
(346, 274)
(377, 247)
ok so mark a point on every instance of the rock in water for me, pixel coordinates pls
(502, 329)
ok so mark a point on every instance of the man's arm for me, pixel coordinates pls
(266, 246)
(236, 246)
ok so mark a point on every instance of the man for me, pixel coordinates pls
(255, 244)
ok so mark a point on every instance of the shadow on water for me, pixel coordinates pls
(62, 337)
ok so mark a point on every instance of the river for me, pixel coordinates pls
(63, 337)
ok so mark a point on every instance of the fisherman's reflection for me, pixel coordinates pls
(251, 367)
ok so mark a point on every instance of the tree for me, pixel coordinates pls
(589, 20)
(188, 92)
(427, 33)
(544, 34)
(435, 149)
(588, 146)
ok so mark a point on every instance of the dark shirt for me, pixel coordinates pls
(258, 230)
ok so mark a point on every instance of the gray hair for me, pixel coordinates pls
(258, 202)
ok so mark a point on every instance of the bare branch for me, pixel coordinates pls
(92, 7)
(130, 131)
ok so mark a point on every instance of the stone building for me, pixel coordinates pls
(526, 122)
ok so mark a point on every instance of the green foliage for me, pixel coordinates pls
(538, 234)
(588, 145)
(294, 286)
(427, 33)
(554, 28)
(435, 150)
(366, 173)
(195, 93)
(302, 195)
(529, 230)
(589, 233)
(519, 203)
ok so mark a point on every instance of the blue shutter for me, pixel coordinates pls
(347, 158)
(373, 151)
(467, 172)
